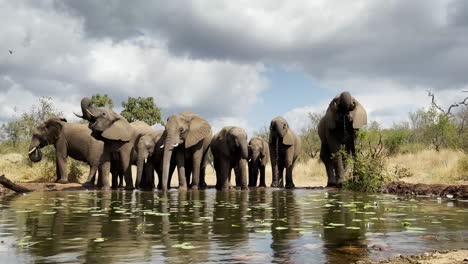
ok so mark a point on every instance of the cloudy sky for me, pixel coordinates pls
(235, 62)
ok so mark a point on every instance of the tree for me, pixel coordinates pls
(309, 136)
(102, 101)
(142, 109)
(19, 129)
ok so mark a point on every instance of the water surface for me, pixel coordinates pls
(257, 226)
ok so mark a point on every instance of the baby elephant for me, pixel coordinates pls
(259, 155)
(230, 150)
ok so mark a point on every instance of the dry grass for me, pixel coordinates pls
(430, 166)
(427, 166)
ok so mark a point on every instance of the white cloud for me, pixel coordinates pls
(53, 57)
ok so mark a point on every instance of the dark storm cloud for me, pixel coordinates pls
(413, 42)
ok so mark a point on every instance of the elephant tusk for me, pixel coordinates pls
(162, 146)
(175, 145)
(146, 160)
(80, 116)
(89, 112)
(32, 150)
(250, 160)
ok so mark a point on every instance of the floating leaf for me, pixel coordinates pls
(353, 227)
(281, 228)
(99, 240)
(120, 220)
(263, 231)
(49, 213)
(185, 245)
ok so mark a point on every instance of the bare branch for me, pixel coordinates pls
(448, 112)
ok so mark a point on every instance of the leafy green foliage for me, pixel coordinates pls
(18, 131)
(142, 109)
(368, 170)
(102, 101)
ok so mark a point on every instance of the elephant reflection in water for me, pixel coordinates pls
(343, 244)
(229, 221)
(286, 209)
(178, 225)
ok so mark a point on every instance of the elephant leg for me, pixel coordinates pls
(274, 165)
(253, 175)
(91, 177)
(262, 177)
(289, 177)
(223, 172)
(196, 165)
(114, 172)
(203, 184)
(325, 156)
(104, 174)
(127, 170)
(180, 160)
(281, 176)
(99, 182)
(61, 162)
(338, 161)
(242, 174)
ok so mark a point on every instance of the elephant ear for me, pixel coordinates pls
(330, 116)
(54, 128)
(359, 116)
(198, 130)
(119, 130)
(288, 138)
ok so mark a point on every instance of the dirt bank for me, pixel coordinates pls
(440, 190)
(436, 257)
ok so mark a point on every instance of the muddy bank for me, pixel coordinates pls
(436, 257)
(440, 190)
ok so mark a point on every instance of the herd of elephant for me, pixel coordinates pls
(110, 144)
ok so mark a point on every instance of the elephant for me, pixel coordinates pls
(338, 128)
(230, 151)
(119, 136)
(259, 155)
(150, 149)
(72, 140)
(188, 137)
(285, 147)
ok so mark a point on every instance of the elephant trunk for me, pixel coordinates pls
(140, 163)
(85, 109)
(244, 150)
(35, 153)
(169, 146)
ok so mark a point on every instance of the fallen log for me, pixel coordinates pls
(12, 186)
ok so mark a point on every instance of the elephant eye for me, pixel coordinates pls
(181, 130)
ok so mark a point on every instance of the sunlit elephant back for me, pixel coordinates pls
(188, 137)
(337, 129)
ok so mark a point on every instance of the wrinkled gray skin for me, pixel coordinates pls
(150, 147)
(259, 156)
(230, 151)
(285, 147)
(69, 140)
(118, 135)
(188, 137)
(337, 129)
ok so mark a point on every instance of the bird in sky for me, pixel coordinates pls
(11, 52)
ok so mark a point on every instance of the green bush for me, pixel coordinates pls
(367, 174)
